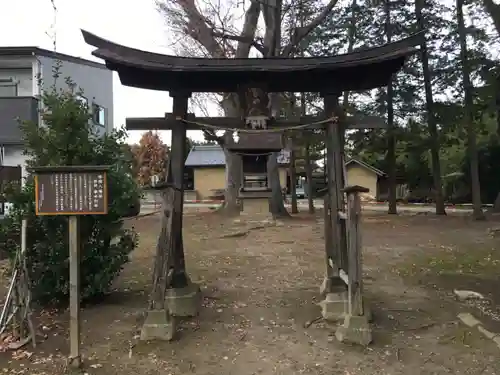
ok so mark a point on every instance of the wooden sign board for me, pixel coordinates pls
(71, 191)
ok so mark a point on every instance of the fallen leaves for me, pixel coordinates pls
(5, 340)
(21, 354)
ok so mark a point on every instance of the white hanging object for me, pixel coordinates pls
(257, 122)
(236, 137)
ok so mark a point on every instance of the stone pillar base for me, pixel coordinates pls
(334, 306)
(367, 311)
(355, 330)
(159, 325)
(184, 302)
(332, 284)
(258, 208)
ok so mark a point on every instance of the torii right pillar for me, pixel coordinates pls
(334, 288)
(342, 286)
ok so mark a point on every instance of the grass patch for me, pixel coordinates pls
(479, 260)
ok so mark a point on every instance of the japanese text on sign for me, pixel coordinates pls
(71, 193)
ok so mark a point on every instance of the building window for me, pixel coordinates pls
(99, 115)
(8, 87)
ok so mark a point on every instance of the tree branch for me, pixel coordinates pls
(241, 42)
(301, 32)
(211, 136)
(197, 28)
(268, 11)
(248, 32)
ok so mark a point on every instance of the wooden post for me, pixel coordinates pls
(177, 162)
(25, 283)
(356, 328)
(330, 237)
(74, 292)
(293, 177)
(335, 181)
(164, 250)
(355, 271)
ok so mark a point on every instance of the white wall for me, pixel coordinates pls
(22, 76)
(96, 83)
(13, 156)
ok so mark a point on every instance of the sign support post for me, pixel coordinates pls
(72, 191)
(74, 292)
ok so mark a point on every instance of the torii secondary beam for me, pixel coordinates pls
(223, 123)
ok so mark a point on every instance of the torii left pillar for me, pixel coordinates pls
(182, 295)
(173, 292)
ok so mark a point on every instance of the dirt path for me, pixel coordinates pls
(261, 291)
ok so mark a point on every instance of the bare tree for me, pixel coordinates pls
(210, 28)
(431, 116)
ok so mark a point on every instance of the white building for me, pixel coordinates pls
(24, 73)
(21, 71)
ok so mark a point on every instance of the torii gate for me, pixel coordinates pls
(330, 76)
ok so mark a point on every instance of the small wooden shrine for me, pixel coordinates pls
(254, 150)
(329, 76)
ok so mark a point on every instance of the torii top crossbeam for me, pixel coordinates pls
(359, 70)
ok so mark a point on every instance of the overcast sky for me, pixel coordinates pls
(134, 23)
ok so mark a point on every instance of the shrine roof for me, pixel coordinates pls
(377, 171)
(359, 70)
(206, 156)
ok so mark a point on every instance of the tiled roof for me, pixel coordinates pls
(213, 155)
(206, 155)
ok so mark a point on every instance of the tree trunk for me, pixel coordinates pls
(391, 139)
(494, 11)
(307, 147)
(233, 183)
(469, 116)
(496, 205)
(497, 101)
(277, 205)
(308, 167)
(351, 37)
(230, 105)
(293, 180)
(431, 118)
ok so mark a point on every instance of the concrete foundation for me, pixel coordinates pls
(355, 330)
(367, 311)
(334, 306)
(184, 302)
(256, 207)
(332, 284)
(159, 325)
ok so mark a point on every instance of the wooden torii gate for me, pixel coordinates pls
(342, 286)
(173, 293)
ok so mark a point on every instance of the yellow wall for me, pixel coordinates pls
(357, 175)
(283, 173)
(207, 179)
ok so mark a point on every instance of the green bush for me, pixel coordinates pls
(68, 138)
